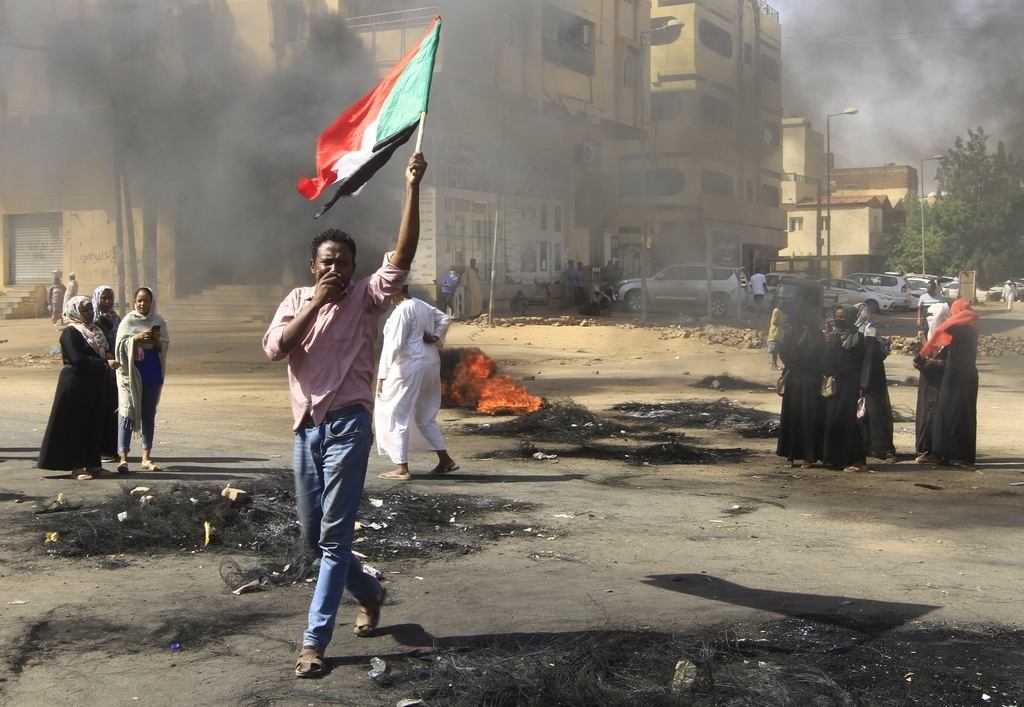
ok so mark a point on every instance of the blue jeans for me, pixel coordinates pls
(330, 468)
(150, 399)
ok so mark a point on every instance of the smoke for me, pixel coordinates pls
(921, 73)
(211, 135)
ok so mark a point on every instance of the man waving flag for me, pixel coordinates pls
(365, 136)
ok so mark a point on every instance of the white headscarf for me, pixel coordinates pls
(937, 313)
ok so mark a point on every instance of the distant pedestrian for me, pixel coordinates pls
(1010, 294)
(932, 295)
(55, 300)
(69, 292)
(776, 330)
(758, 286)
(474, 294)
(409, 386)
(108, 321)
(448, 287)
(844, 360)
(875, 412)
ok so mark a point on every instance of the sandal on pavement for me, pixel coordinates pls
(99, 471)
(438, 470)
(81, 475)
(393, 475)
(122, 468)
(369, 615)
(310, 663)
(929, 459)
(149, 465)
(856, 468)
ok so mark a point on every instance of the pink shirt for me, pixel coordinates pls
(333, 365)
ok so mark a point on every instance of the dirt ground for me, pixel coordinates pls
(574, 544)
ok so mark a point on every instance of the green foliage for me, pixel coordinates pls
(977, 220)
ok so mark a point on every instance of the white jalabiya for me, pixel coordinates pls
(404, 412)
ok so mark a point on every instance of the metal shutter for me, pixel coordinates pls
(37, 247)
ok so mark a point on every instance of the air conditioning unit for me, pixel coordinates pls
(587, 154)
(580, 35)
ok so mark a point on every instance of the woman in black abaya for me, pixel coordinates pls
(801, 429)
(845, 357)
(72, 439)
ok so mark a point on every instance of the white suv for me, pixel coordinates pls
(681, 286)
(894, 285)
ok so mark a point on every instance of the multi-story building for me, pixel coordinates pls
(713, 153)
(159, 142)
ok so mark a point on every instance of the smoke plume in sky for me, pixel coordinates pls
(921, 73)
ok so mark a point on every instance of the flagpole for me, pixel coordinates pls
(419, 133)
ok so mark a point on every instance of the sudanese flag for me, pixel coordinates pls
(365, 136)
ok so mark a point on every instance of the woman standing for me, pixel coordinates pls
(929, 384)
(801, 427)
(108, 320)
(845, 361)
(72, 442)
(142, 341)
(876, 423)
(955, 431)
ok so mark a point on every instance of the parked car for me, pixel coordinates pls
(995, 293)
(686, 285)
(892, 284)
(857, 293)
(790, 293)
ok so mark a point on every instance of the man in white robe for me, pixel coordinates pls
(409, 386)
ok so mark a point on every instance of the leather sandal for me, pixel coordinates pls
(310, 663)
(369, 615)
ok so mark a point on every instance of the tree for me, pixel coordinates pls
(977, 219)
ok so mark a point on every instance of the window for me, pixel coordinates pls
(629, 72)
(772, 134)
(543, 217)
(748, 54)
(558, 218)
(824, 223)
(544, 256)
(770, 195)
(715, 38)
(796, 223)
(769, 67)
(715, 111)
(716, 183)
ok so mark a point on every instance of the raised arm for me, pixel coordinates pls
(409, 232)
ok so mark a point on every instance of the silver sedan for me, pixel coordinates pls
(855, 294)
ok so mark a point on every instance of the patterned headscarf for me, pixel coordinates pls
(864, 324)
(847, 330)
(92, 333)
(962, 315)
(111, 314)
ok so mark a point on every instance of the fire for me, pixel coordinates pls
(474, 384)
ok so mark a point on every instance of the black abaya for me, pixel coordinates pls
(72, 438)
(844, 445)
(801, 424)
(928, 386)
(956, 418)
(876, 425)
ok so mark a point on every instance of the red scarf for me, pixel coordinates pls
(961, 315)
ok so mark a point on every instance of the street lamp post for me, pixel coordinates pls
(828, 186)
(921, 199)
(645, 87)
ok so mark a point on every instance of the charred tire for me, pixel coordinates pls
(719, 304)
(872, 306)
(633, 301)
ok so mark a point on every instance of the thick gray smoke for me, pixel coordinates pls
(207, 137)
(921, 72)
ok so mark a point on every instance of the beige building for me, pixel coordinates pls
(713, 162)
(159, 142)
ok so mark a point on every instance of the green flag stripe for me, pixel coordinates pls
(409, 96)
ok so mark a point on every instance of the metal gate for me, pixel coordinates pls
(37, 247)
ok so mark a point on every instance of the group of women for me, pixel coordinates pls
(852, 419)
(109, 386)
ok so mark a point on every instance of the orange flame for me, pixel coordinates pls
(474, 384)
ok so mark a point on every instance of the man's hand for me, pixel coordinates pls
(329, 287)
(430, 338)
(417, 167)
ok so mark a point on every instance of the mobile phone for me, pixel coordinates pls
(830, 325)
(156, 328)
